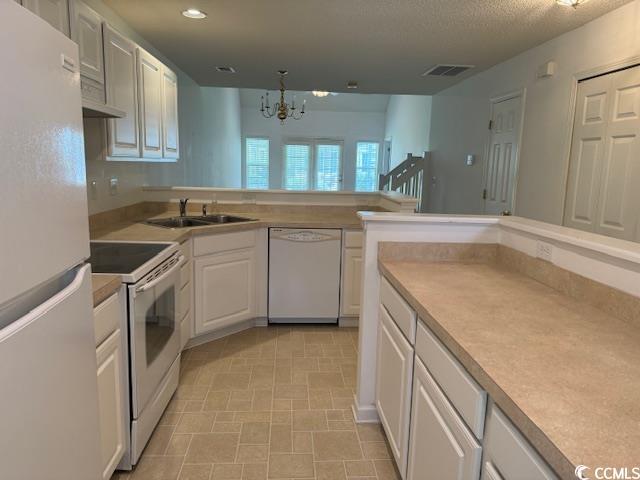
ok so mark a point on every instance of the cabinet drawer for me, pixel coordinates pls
(400, 311)
(508, 455)
(463, 392)
(352, 239)
(441, 443)
(185, 273)
(106, 318)
(186, 249)
(185, 301)
(223, 242)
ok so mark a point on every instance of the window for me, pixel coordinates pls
(257, 163)
(367, 166)
(312, 164)
(328, 166)
(297, 160)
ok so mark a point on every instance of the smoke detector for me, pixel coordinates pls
(446, 70)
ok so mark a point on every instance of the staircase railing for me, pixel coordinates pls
(408, 178)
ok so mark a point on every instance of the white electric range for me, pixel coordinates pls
(151, 273)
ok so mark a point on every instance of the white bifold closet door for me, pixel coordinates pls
(603, 190)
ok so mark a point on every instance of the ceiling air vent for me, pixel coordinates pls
(446, 70)
(226, 69)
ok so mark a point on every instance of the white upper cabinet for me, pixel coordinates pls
(170, 143)
(123, 135)
(150, 99)
(86, 31)
(55, 12)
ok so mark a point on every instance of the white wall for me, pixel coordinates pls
(408, 122)
(347, 126)
(218, 162)
(460, 115)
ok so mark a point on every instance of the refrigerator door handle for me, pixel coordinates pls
(44, 307)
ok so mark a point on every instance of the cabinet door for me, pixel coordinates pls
(225, 289)
(441, 446)
(123, 136)
(393, 386)
(150, 103)
(112, 432)
(169, 114)
(55, 12)
(351, 281)
(86, 31)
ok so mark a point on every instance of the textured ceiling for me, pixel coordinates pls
(385, 45)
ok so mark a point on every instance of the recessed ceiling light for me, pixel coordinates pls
(319, 93)
(352, 85)
(571, 3)
(193, 13)
(223, 69)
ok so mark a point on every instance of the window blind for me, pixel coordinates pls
(257, 163)
(328, 159)
(297, 163)
(367, 166)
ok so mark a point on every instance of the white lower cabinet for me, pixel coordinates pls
(110, 403)
(351, 281)
(393, 386)
(441, 446)
(434, 412)
(507, 454)
(225, 286)
(351, 274)
(109, 320)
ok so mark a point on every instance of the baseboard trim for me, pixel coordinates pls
(348, 322)
(226, 331)
(364, 414)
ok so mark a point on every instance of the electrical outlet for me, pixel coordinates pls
(544, 251)
(113, 186)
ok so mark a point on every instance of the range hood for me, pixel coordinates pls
(92, 109)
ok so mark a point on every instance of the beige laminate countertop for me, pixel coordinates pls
(104, 286)
(138, 231)
(566, 374)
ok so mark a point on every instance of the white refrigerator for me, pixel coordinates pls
(48, 385)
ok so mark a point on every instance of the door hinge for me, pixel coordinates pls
(490, 124)
(484, 194)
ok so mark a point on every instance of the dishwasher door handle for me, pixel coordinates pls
(306, 236)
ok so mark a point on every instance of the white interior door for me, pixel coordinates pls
(604, 171)
(502, 163)
(585, 169)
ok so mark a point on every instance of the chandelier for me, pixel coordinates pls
(281, 109)
(571, 3)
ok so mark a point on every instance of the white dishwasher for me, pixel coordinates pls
(304, 275)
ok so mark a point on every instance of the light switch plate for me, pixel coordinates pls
(113, 186)
(93, 190)
(544, 251)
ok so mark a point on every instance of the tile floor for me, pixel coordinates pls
(267, 403)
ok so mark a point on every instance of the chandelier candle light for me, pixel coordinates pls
(281, 109)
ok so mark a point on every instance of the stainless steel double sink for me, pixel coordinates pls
(195, 221)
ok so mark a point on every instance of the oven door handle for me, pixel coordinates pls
(159, 279)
